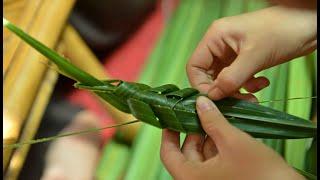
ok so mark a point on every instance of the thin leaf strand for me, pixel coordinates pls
(288, 99)
(41, 140)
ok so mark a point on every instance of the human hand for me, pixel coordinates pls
(235, 48)
(74, 157)
(226, 153)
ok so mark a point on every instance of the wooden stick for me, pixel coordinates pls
(12, 42)
(81, 56)
(32, 123)
(23, 79)
(11, 128)
(13, 11)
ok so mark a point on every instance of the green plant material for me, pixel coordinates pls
(145, 154)
(311, 158)
(178, 22)
(279, 93)
(143, 111)
(113, 162)
(315, 68)
(311, 154)
(168, 107)
(254, 5)
(277, 76)
(277, 90)
(312, 67)
(176, 56)
(299, 84)
(163, 174)
(233, 7)
(46, 139)
(62, 63)
(156, 59)
(142, 149)
(65, 67)
(306, 174)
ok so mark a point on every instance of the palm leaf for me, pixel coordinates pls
(257, 120)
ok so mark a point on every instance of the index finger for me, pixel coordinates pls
(170, 152)
(198, 66)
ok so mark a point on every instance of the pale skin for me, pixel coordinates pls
(74, 157)
(232, 51)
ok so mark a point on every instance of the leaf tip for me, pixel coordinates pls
(5, 22)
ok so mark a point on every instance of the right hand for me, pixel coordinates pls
(225, 153)
(235, 48)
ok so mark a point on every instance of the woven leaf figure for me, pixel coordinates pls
(167, 106)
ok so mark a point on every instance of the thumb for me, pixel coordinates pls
(214, 123)
(233, 77)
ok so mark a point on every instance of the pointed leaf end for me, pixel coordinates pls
(5, 22)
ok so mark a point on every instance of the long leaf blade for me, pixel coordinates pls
(62, 63)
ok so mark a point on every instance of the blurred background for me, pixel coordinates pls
(147, 41)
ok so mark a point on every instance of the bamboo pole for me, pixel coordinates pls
(81, 56)
(10, 134)
(13, 6)
(14, 10)
(22, 80)
(76, 50)
(32, 124)
(12, 42)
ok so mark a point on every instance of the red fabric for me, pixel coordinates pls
(125, 63)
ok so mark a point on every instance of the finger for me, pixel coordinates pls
(256, 84)
(245, 96)
(198, 67)
(231, 78)
(214, 123)
(192, 147)
(170, 152)
(209, 149)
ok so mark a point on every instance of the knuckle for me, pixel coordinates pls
(226, 82)
(250, 46)
(210, 127)
(231, 140)
(193, 145)
(218, 130)
(220, 25)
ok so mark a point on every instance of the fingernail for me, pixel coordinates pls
(204, 104)
(263, 84)
(216, 93)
